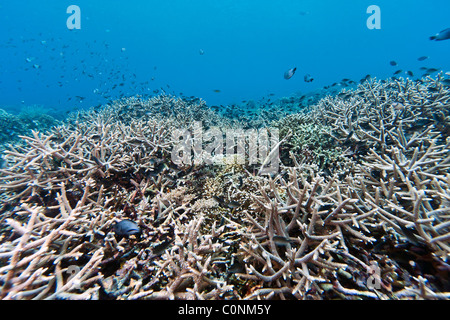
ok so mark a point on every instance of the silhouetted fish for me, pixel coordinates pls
(443, 35)
(308, 78)
(422, 58)
(281, 241)
(393, 63)
(288, 74)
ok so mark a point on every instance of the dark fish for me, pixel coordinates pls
(288, 74)
(281, 241)
(443, 35)
(432, 70)
(398, 71)
(126, 228)
(233, 204)
(433, 89)
(446, 82)
(218, 199)
(308, 78)
(161, 248)
(422, 58)
(216, 90)
(410, 73)
(409, 234)
(393, 63)
(348, 138)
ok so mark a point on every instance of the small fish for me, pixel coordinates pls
(398, 71)
(398, 106)
(393, 63)
(442, 35)
(409, 234)
(126, 228)
(347, 140)
(432, 70)
(446, 82)
(123, 49)
(161, 248)
(410, 73)
(216, 90)
(447, 73)
(233, 204)
(288, 74)
(218, 199)
(308, 78)
(201, 52)
(281, 241)
(422, 58)
(3, 164)
(36, 66)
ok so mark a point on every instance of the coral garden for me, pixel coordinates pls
(359, 208)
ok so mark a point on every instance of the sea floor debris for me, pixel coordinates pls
(360, 208)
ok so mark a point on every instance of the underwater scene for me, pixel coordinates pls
(225, 150)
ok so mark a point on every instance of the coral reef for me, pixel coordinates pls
(29, 118)
(358, 210)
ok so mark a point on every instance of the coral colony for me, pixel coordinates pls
(357, 207)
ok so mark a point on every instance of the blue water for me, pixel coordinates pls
(134, 47)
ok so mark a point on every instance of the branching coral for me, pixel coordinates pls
(367, 220)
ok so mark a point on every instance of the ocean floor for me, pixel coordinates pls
(137, 200)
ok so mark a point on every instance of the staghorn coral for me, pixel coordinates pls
(308, 139)
(371, 224)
